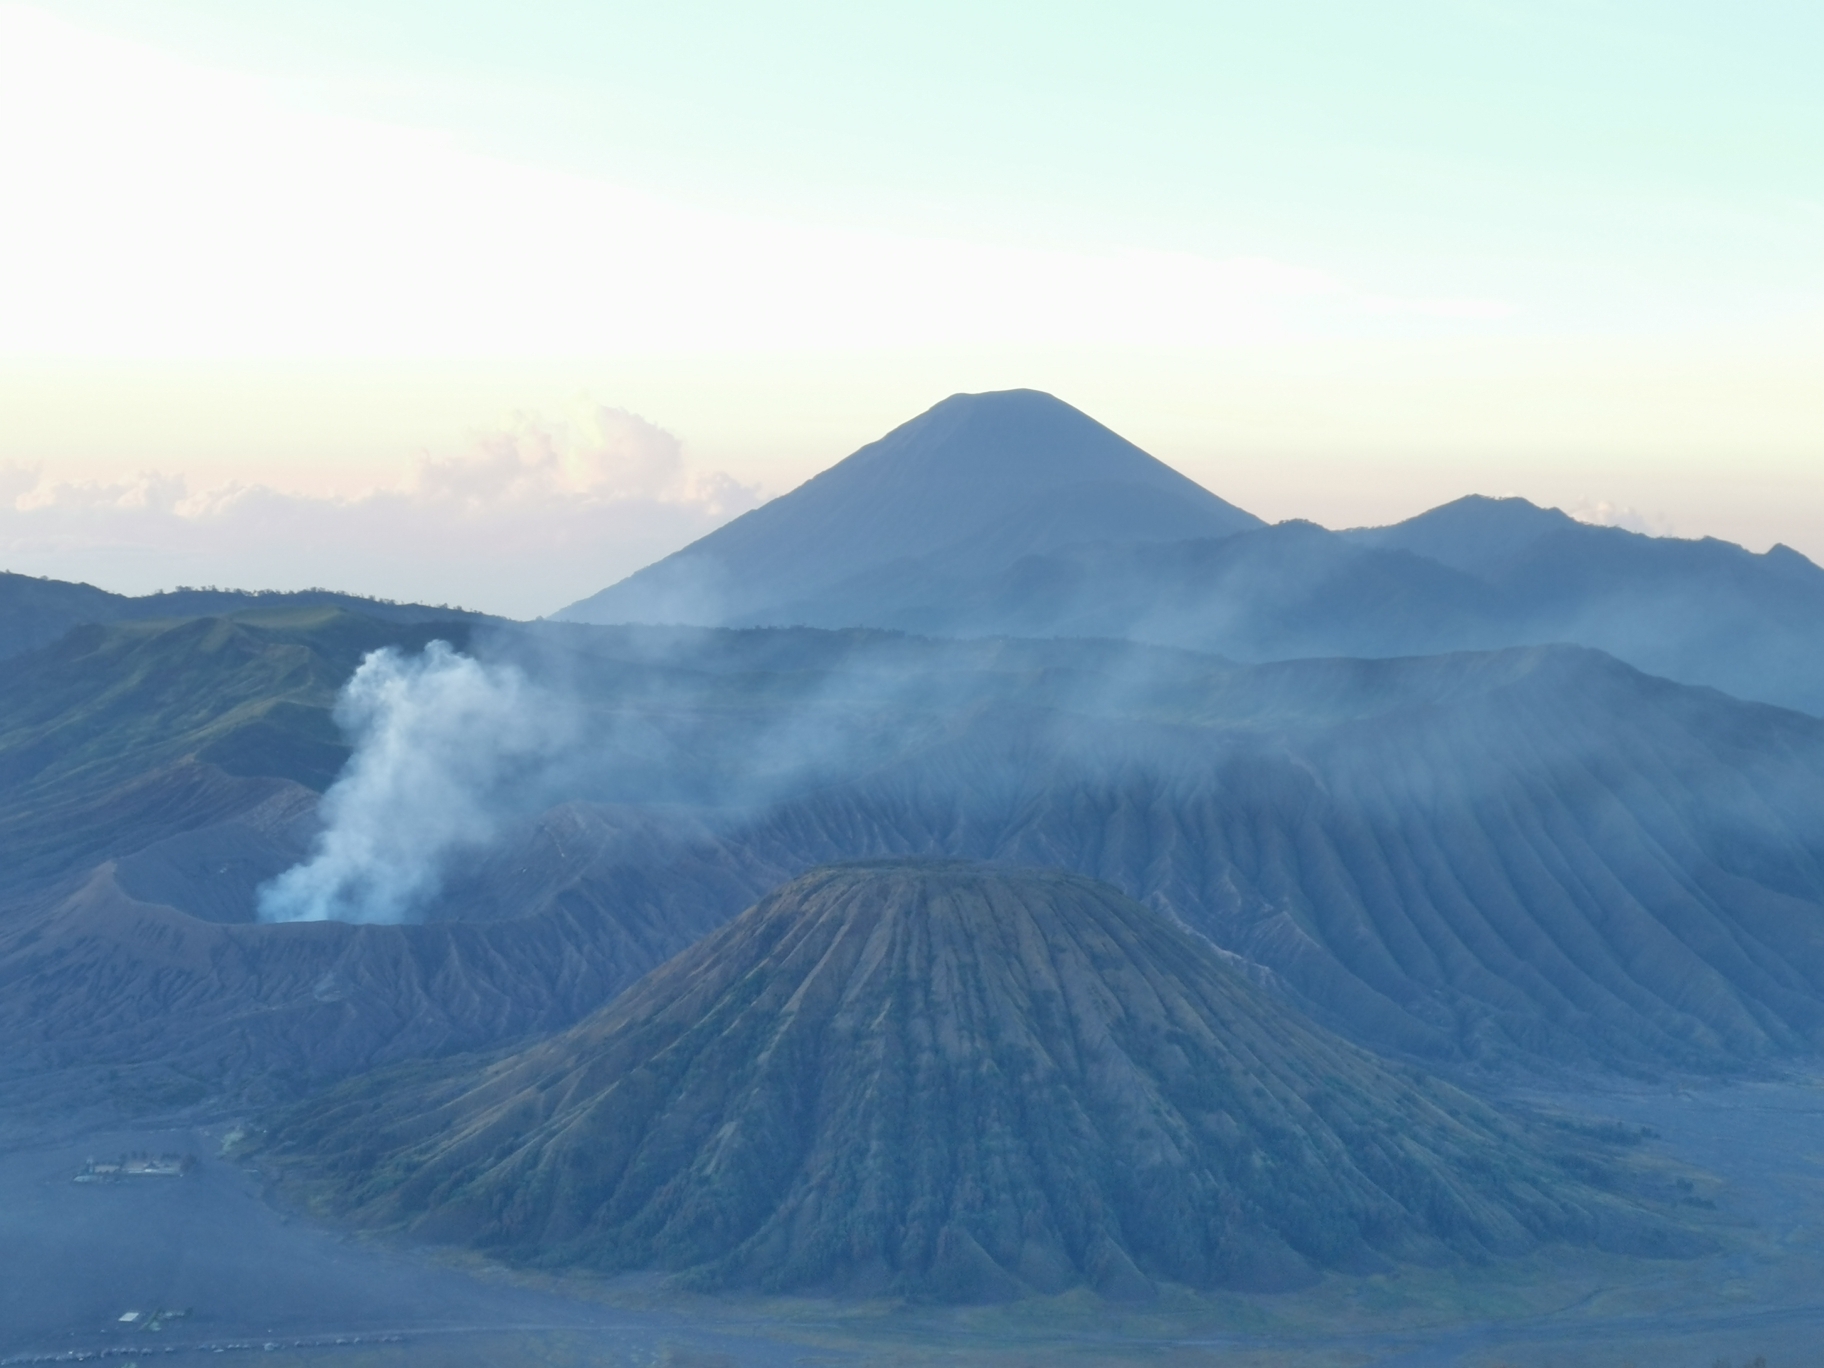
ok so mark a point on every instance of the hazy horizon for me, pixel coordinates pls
(532, 514)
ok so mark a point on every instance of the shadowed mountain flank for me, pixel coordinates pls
(971, 484)
(1699, 610)
(1477, 535)
(951, 1081)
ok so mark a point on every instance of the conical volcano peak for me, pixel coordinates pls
(952, 1081)
(1019, 435)
(966, 488)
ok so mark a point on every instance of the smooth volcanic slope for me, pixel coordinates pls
(965, 488)
(955, 1081)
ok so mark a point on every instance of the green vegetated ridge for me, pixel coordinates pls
(954, 1081)
(118, 731)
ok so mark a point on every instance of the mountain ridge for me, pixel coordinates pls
(966, 522)
(1702, 612)
(35, 611)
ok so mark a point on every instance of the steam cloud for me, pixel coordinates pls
(445, 749)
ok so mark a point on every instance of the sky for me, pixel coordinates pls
(492, 304)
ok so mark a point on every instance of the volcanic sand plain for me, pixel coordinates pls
(258, 1277)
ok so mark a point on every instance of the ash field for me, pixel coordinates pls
(253, 1269)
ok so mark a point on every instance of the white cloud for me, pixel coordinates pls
(533, 516)
(1602, 513)
(601, 455)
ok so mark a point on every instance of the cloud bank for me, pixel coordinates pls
(537, 514)
(446, 748)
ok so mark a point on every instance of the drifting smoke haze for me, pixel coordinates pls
(453, 753)
(446, 749)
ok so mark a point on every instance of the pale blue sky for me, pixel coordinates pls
(1338, 260)
(1667, 156)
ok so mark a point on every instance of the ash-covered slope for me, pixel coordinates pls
(152, 775)
(952, 1081)
(109, 998)
(964, 489)
(1536, 854)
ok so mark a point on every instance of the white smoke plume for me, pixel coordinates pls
(445, 749)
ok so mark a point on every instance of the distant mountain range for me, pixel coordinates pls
(1015, 514)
